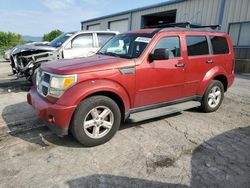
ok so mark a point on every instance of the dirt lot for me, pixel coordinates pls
(189, 149)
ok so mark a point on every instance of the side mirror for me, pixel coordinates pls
(159, 54)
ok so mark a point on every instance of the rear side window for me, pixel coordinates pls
(104, 37)
(219, 44)
(172, 44)
(197, 45)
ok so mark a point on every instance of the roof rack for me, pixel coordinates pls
(186, 25)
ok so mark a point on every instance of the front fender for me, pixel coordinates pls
(209, 76)
(82, 90)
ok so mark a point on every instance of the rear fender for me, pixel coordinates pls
(210, 75)
(84, 89)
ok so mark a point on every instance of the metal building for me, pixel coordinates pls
(232, 15)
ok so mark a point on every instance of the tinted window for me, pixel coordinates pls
(103, 38)
(197, 45)
(172, 44)
(219, 45)
(83, 41)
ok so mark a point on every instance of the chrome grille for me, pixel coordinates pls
(45, 90)
(46, 78)
(43, 82)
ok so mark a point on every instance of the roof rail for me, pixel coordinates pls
(187, 25)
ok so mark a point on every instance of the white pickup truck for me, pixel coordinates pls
(25, 59)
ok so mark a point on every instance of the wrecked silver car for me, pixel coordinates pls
(25, 59)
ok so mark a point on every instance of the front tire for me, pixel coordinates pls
(96, 120)
(213, 97)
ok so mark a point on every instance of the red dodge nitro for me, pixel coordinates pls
(136, 75)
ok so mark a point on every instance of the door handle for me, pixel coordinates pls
(180, 65)
(210, 61)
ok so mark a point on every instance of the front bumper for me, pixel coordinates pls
(57, 116)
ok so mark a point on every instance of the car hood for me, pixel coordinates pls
(32, 47)
(87, 64)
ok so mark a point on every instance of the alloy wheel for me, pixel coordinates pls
(98, 122)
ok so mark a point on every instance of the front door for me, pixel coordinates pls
(161, 80)
(80, 46)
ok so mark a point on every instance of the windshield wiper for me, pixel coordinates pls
(114, 54)
(101, 53)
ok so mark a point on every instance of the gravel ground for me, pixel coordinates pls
(188, 149)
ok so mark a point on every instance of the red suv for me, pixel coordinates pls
(136, 75)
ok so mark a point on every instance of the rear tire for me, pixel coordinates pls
(213, 97)
(96, 120)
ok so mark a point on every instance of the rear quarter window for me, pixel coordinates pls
(219, 45)
(197, 45)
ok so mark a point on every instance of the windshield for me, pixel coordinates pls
(58, 41)
(126, 45)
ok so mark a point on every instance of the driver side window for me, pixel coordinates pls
(172, 44)
(82, 41)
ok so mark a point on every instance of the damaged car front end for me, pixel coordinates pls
(25, 59)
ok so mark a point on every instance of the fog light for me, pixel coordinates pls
(52, 119)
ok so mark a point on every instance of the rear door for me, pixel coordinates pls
(221, 53)
(199, 61)
(82, 45)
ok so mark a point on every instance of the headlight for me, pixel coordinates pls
(59, 84)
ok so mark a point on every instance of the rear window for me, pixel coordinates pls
(197, 45)
(219, 44)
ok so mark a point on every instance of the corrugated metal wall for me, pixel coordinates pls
(237, 11)
(196, 11)
(203, 12)
(104, 22)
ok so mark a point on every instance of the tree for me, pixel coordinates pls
(51, 35)
(9, 39)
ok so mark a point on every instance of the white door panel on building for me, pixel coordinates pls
(121, 25)
(96, 27)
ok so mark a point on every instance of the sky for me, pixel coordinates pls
(36, 17)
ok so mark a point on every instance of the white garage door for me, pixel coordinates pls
(95, 27)
(121, 25)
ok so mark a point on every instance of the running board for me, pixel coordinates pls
(163, 111)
